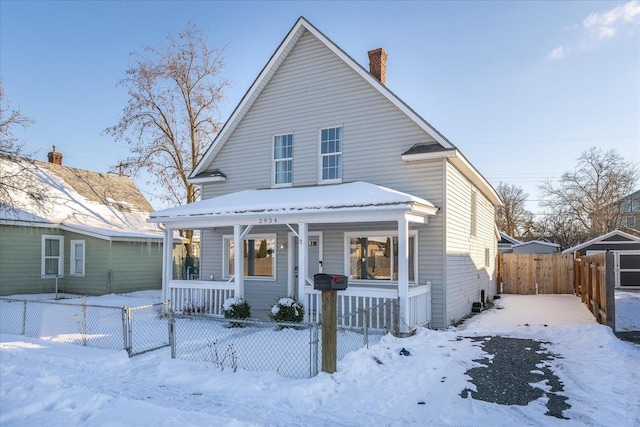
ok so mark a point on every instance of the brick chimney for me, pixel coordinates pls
(55, 157)
(378, 64)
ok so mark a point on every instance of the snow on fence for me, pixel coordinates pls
(134, 329)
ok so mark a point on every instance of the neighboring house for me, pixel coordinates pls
(321, 168)
(626, 248)
(626, 210)
(506, 243)
(90, 237)
(535, 247)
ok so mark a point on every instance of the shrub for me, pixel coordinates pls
(287, 310)
(236, 308)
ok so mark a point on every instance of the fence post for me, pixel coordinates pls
(24, 317)
(313, 350)
(172, 335)
(610, 292)
(126, 330)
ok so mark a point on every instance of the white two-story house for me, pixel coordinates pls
(321, 168)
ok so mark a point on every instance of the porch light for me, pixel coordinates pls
(283, 246)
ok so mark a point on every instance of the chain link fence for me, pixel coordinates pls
(292, 350)
(134, 329)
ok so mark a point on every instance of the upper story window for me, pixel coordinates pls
(474, 213)
(282, 160)
(52, 256)
(331, 155)
(76, 266)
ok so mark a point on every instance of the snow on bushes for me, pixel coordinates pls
(236, 308)
(287, 310)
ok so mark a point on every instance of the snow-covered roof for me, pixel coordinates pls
(86, 202)
(538, 242)
(602, 238)
(286, 203)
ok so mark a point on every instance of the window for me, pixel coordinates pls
(374, 256)
(259, 256)
(282, 160)
(331, 154)
(52, 256)
(474, 213)
(76, 266)
(487, 257)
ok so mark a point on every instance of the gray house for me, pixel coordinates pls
(321, 168)
(535, 247)
(90, 236)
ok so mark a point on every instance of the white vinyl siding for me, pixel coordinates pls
(467, 271)
(76, 264)
(52, 256)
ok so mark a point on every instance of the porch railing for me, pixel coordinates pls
(355, 299)
(199, 296)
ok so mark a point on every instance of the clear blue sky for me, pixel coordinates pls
(521, 88)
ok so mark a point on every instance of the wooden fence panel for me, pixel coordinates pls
(531, 274)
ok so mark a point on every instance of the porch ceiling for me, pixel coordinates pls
(349, 202)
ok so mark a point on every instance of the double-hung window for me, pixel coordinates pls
(259, 253)
(282, 160)
(52, 256)
(331, 155)
(77, 258)
(374, 256)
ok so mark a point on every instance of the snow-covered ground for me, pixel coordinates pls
(51, 384)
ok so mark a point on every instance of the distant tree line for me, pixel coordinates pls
(586, 202)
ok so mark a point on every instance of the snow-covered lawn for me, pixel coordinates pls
(50, 384)
(627, 311)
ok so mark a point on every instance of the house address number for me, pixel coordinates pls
(268, 220)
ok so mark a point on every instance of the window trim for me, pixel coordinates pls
(72, 258)
(225, 255)
(322, 156)
(384, 233)
(274, 161)
(474, 213)
(60, 257)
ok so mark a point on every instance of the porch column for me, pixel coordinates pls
(238, 261)
(303, 258)
(167, 262)
(403, 273)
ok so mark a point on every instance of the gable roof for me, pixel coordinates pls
(512, 240)
(536, 242)
(82, 201)
(603, 239)
(441, 148)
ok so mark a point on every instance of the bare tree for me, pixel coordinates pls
(18, 185)
(174, 94)
(512, 218)
(590, 197)
(174, 91)
(559, 226)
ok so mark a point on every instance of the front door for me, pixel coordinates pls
(314, 260)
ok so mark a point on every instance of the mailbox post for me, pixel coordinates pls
(329, 284)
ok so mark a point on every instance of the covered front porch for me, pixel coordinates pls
(289, 234)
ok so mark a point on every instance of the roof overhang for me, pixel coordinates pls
(601, 239)
(339, 203)
(458, 160)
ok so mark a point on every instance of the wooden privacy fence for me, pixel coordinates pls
(589, 277)
(532, 274)
(594, 281)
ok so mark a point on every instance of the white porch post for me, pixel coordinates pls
(303, 258)
(238, 261)
(167, 262)
(403, 273)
